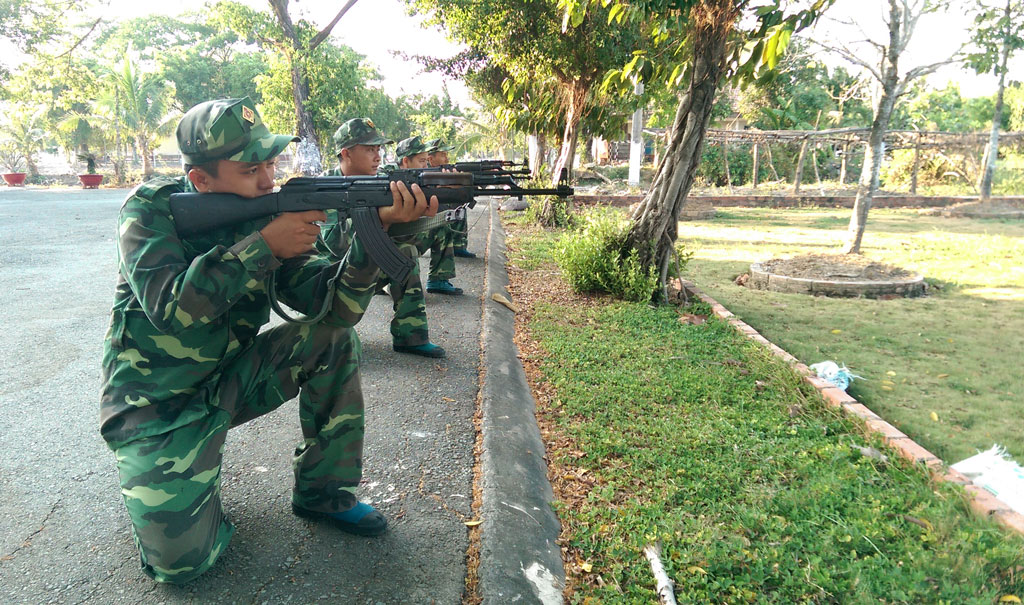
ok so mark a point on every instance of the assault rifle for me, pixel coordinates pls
(357, 197)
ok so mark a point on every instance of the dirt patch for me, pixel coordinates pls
(994, 209)
(836, 267)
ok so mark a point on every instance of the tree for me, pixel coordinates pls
(294, 43)
(555, 71)
(140, 102)
(901, 21)
(23, 127)
(996, 36)
(695, 45)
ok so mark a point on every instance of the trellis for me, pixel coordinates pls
(846, 139)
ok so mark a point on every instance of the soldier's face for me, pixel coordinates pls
(438, 158)
(415, 161)
(247, 179)
(363, 160)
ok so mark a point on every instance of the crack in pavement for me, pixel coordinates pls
(28, 540)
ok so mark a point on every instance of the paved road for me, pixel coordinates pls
(64, 535)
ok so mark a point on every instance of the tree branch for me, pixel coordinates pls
(80, 40)
(851, 57)
(326, 31)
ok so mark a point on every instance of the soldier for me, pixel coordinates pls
(357, 144)
(437, 155)
(184, 359)
(412, 153)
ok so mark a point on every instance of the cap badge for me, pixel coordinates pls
(248, 114)
(369, 123)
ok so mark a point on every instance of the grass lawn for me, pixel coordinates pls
(955, 353)
(693, 437)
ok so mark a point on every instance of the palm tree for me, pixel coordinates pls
(140, 103)
(25, 133)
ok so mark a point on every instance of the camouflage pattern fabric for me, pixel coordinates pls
(228, 129)
(441, 243)
(460, 233)
(183, 361)
(411, 146)
(358, 131)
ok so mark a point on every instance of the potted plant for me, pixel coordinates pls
(90, 180)
(14, 173)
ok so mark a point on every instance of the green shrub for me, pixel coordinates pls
(592, 259)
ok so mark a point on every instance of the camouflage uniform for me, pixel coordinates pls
(184, 360)
(439, 241)
(459, 228)
(409, 326)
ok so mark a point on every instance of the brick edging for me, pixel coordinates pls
(982, 501)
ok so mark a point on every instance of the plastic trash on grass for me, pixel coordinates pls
(995, 471)
(830, 371)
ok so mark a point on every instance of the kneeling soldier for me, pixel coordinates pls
(184, 359)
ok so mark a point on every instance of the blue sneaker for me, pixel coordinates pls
(463, 253)
(426, 350)
(361, 520)
(442, 286)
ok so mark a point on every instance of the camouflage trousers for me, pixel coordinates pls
(460, 233)
(171, 482)
(409, 326)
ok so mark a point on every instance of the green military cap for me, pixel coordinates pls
(228, 129)
(410, 146)
(358, 131)
(435, 145)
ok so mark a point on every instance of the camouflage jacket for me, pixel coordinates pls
(184, 308)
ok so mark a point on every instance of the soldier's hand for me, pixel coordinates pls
(293, 233)
(408, 205)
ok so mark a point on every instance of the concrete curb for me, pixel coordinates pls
(982, 502)
(519, 559)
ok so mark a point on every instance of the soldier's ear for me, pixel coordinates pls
(200, 179)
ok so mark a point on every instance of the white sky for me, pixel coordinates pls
(375, 28)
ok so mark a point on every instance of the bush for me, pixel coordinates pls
(593, 260)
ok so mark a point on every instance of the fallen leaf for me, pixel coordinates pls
(497, 297)
(890, 373)
(473, 523)
(587, 567)
(934, 416)
(886, 387)
(448, 399)
(1009, 598)
(837, 331)
(693, 320)
(695, 569)
(942, 376)
(888, 382)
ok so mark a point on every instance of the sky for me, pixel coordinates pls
(377, 28)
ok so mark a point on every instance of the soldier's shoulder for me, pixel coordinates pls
(157, 187)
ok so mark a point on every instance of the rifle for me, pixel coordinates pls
(358, 197)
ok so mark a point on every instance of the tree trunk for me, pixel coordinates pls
(573, 114)
(989, 169)
(147, 159)
(725, 158)
(874, 153)
(799, 176)
(656, 220)
(917, 165)
(308, 151)
(771, 163)
(757, 161)
(843, 163)
(537, 145)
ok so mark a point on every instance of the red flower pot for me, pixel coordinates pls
(90, 181)
(14, 179)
